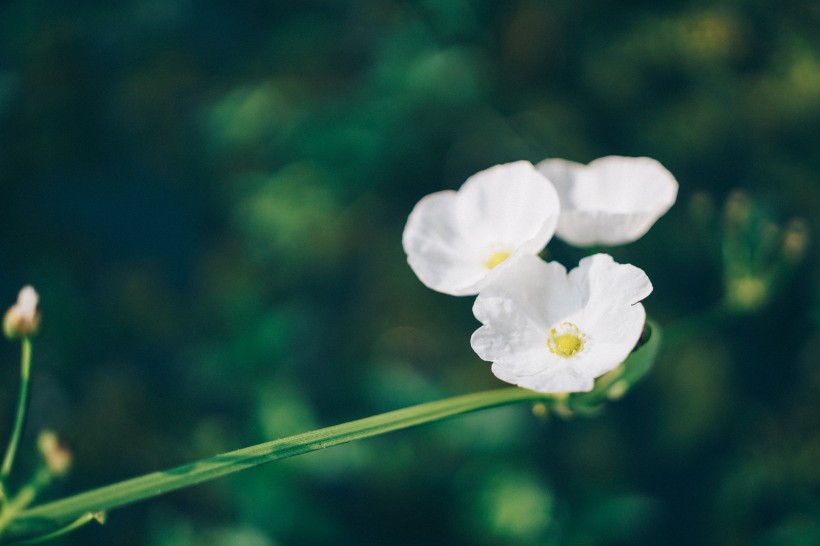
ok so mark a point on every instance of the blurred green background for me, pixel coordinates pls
(210, 195)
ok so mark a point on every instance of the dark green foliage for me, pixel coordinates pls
(209, 197)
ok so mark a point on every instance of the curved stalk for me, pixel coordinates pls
(74, 525)
(22, 410)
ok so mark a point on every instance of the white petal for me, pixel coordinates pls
(606, 277)
(532, 288)
(603, 283)
(512, 204)
(625, 185)
(534, 361)
(511, 338)
(27, 301)
(604, 357)
(586, 228)
(437, 252)
(562, 173)
(612, 318)
(615, 325)
(559, 381)
(613, 200)
(628, 193)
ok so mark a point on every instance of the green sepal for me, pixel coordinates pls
(624, 377)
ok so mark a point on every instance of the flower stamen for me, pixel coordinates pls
(497, 258)
(566, 340)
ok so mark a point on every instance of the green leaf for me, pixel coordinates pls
(55, 515)
(634, 369)
(641, 361)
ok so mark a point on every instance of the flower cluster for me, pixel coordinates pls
(543, 328)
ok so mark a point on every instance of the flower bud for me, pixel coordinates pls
(23, 318)
(56, 454)
(738, 211)
(795, 241)
(747, 293)
(617, 390)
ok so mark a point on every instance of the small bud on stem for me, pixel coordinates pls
(56, 454)
(23, 318)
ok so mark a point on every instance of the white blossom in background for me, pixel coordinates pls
(612, 201)
(553, 332)
(458, 241)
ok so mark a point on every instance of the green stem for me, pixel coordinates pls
(23, 498)
(22, 410)
(76, 524)
(55, 514)
(639, 363)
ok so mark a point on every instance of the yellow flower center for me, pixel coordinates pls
(566, 340)
(497, 258)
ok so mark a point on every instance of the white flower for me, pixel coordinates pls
(457, 242)
(550, 331)
(612, 201)
(23, 318)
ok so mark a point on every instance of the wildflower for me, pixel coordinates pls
(550, 331)
(457, 242)
(23, 318)
(612, 201)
